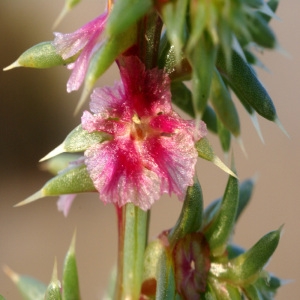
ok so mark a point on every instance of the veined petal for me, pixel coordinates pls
(112, 126)
(118, 174)
(148, 90)
(173, 158)
(68, 44)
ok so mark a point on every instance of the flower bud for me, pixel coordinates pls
(41, 56)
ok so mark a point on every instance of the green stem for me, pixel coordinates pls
(133, 229)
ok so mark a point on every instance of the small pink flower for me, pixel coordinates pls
(86, 40)
(152, 148)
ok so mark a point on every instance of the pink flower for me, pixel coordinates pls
(152, 148)
(86, 40)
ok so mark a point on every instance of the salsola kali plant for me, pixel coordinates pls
(132, 147)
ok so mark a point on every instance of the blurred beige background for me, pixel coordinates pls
(36, 113)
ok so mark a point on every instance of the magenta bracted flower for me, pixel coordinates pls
(152, 148)
(85, 39)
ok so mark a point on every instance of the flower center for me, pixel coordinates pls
(139, 128)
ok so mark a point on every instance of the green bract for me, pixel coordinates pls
(41, 56)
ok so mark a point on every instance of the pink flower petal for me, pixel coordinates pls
(64, 203)
(116, 170)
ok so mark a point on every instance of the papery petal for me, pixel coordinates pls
(111, 102)
(148, 90)
(118, 174)
(68, 44)
(92, 123)
(64, 203)
(174, 158)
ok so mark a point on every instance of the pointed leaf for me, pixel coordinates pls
(29, 287)
(224, 136)
(246, 86)
(70, 274)
(69, 4)
(71, 181)
(41, 56)
(205, 151)
(245, 268)
(53, 289)
(78, 140)
(190, 218)
(220, 230)
(223, 104)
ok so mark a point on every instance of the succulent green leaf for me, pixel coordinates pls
(245, 193)
(70, 275)
(253, 3)
(71, 181)
(109, 51)
(2, 298)
(174, 17)
(41, 56)
(125, 14)
(58, 163)
(224, 136)
(260, 31)
(205, 151)
(190, 218)
(53, 289)
(78, 140)
(234, 251)
(245, 268)
(29, 287)
(243, 81)
(267, 286)
(223, 104)
(202, 58)
(272, 4)
(220, 229)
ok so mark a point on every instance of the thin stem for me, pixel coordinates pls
(133, 229)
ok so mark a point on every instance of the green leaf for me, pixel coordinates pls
(220, 229)
(29, 287)
(53, 289)
(245, 268)
(69, 4)
(70, 274)
(205, 151)
(224, 291)
(41, 56)
(78, 140)
(224, 136)
(190, 218)
(223, 105)
(202, 58)
(125, 14)
(71, 181)
(243, 81)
